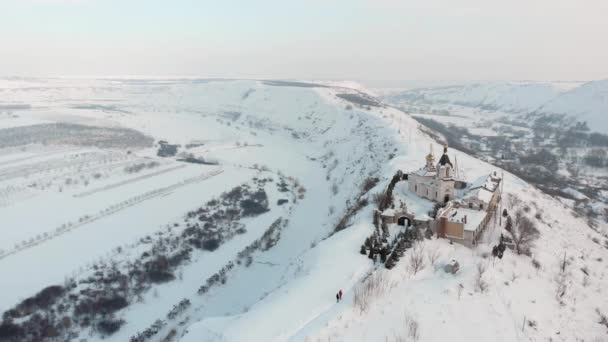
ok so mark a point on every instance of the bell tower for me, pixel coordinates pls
(430, 160)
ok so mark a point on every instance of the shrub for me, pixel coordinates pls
(252, 208)
(416, 260)
(379, 198)
(369, 183)
(42, 300)
(10, 332)
(108, 327)
(480, 284)
(211, 244)
(523, 234)
(104, 305)
(372, 287)
(157, 276)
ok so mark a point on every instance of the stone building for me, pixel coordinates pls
(434, 181)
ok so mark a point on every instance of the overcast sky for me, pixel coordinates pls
(307, 39)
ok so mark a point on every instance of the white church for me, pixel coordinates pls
(434, 181)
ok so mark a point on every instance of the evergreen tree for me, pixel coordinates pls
(509, 225)
(383, 254)
(363, 250)
(428, 233)
(376, 218)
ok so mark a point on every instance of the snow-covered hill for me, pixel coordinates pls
(126, 218)
(589, 103)
(510, 97)
(581, 101)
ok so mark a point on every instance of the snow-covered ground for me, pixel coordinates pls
(322, 143)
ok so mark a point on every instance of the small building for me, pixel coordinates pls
(461, 225)
(483, 194)
(400, 217)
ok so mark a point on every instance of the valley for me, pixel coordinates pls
(234, 210)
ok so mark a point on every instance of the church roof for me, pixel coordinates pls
(425, 173)
(445, 159)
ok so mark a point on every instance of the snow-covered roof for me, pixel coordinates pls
(489, 182)
(473, 217)
(388, 212)
(425, 173)
(422, 217)
(482, 194)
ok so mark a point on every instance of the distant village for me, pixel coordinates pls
(435, 200)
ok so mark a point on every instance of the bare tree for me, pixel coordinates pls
(413, 328)
(480, 284)
(523, 233)
(373, 286)
(561, 278)
(432, 255)
(380, 198)
(410, 332)
(416, 259)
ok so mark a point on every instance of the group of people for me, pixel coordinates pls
(339, 296)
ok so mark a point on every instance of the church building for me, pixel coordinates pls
(434, 181)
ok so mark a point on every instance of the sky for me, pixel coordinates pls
(307, 39)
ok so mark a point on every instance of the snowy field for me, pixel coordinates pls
(77, 209)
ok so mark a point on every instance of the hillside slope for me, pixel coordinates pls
(589, 103)
(517, 293)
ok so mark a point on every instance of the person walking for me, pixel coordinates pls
(337, 297)
(340, 294)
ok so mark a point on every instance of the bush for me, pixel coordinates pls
(369, 183)
(166, 150)
(108, 327)
(252, 208)
(371, 288)
(104, 305)
(523, 234)
(156, 276)
(480, 284)
(211, 244)
(10, 332)
(42, 300)
(380, 198)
